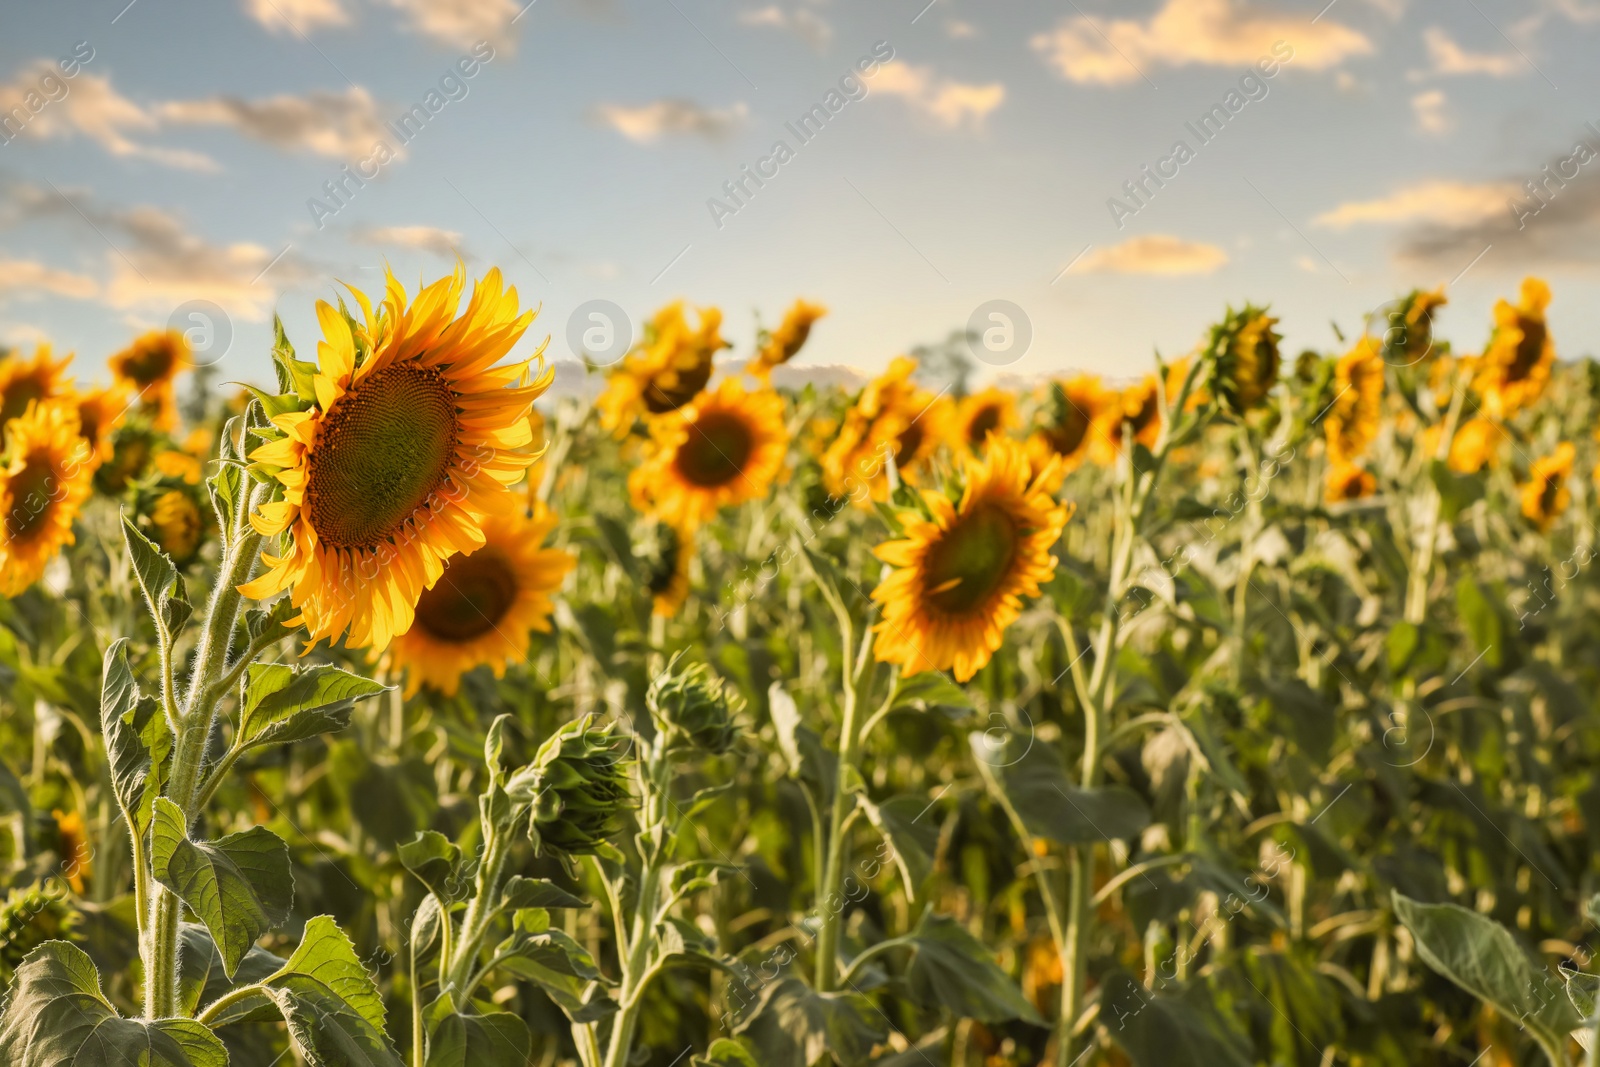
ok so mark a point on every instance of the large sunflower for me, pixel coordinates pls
(1515, 366)
(724, 449)
(46, 478)
(892, 417)
(149, 367)
(992, 411)
(781, 345)
(100, 412)
(22, 381)
(1545, 494)
(1351, 422)
(484, 606)
(959, 577)
(1070, 423)
(414, 435)
(664, 373)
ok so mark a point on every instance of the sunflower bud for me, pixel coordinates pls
(28, 918)
(692, 709)
(1247, 358)
(577, 789)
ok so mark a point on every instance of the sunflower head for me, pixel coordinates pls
(485, 605)
(1350, 423)
(175, 515)
(1408, 334)
(391, 451)
(1135, 411)
(993, 410)
(577, 790)
(1475, 446)
(100, 412)
(892, 418)
(148, 368)
(693, 709)
(668, 574)
(46, 477)
(73, 848)
(960, 574)
(1349, 481)
(1545, 494)
(782, 344)
(666, 371)
(1071, 422)
(1247, 358)
(1515, 365)
(24, 381)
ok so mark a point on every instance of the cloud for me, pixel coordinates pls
(26, 277)
(1428, 108)
(1448, 203)
(292, 16)
(445, 243)
(1184, 32)
(339, 125)
(1448, 57)
(460, 23)
(1159, 254)
(949, 103)
(804, 23)
(959, 29)
(648, 123)
(91, 108)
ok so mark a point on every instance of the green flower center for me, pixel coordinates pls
(715, 453)
(470, 598)
(382, 451)
(971, 560)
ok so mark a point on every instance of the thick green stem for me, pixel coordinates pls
(481, 909)
(1416, 607)
(829, 902)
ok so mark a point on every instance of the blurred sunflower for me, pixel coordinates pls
(1348, 481)
(133, 445)
(960, 575)
(1070, 423)
(993, 410)
(1475, 446)
(1247, 358)
(100, 412)
(484, 606)
(174, 514)
(45, 480)
(1545, 494)
(669, 572)
(664, 373)
(413, 437)
(149, 367)
(782, 344)
(1139, 406)
(1408, 337)
(73, 849)
(892, 416)
(1515, 365)
(724, 449)
(22, 381)
(174, 463)
(1350, 423)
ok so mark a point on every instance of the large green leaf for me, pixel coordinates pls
(202, 978)
(159, 579)
(912, 836)
(794, 1026)
(57, 1017)
(932, 691)
(1169, 1031)
(240, 886)
(523, 892)
(1029, 776)
(496, 1039)
(436, 862)
(558, 965)
(953, 969)
(137, 739)
(1481, 956)
(282, 703)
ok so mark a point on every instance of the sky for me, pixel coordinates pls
(1083, 184)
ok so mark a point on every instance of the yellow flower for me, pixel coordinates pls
(959, 578)
(1476, 444)
(991, 411)
(484, 607)
(22, 381)
(414, 438)
(46, 478)
(1072, 425)
(177, 524)
(1139, 407)
(175, 464)
(1247, 365)
(73, 849)
(1545, 494)
(722, 450)
(669, 579)
(100, 412)
(1350, 423)
(893, 416)
(1347, 481)
(784, 342)
(148, 367)
(664, 373)
(1409, 336)
(1516, 364)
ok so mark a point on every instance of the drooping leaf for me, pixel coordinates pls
(953, 969)
(932, 691)
(1030, 777)
(1161, 1030)
(159, 579)
(436, 862)
(202, 977)
(240, 885)
(808, 760)
(912, 837)
(523, 892)
(793, 1025)
(726, 1052)
(562, 968)
(282, 704)
(495, 1039)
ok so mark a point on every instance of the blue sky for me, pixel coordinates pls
(1388, 150)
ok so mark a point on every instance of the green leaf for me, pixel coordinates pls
(808, 760)
(225, 488)
(562, 968)
(294, 375)
(1481, 620)
(1027, 774)
(137, 739)
(794, 1026)
(14, 799)
(1481, 956)
(240, 886)
(932, 691)
(726, 1052)
(498, 1039)
(158, 577)
(1457, 492)
(953, 968)
(912, 842)
(695, 875)
(523, 892)
(202, 977)
(282, 704)
(1168, 1031)
(56, 1016)
(436, 862)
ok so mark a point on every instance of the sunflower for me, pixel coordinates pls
(664, 373)
(412, 437)
(100, 412)
(1545, 494)
(1139, 407)
(73, 849)
(1071, 425)
(174, 516)
(724, 449)
(148, 367)
(959, 576)
(669, 572)
(1348, 481)
(177, 464)
(1475, 446)
(1515, 365)
(892, 417)
(1350, 423)
(133, 445)
(1408, 339)
(1247, 358)
(991, 411)
(781, 345)
(45, 480)
(22, 381)
(485, 605)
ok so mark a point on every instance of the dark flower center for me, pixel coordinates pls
(715, 453)
(971, 560)
(470, 598)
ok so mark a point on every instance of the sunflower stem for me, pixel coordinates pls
(1416, 607)
(829, 903)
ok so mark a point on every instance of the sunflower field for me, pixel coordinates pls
(399, 713)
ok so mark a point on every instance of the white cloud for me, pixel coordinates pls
(1160, 254)
(1184, 32)
(91, 108)
(290, 16)
(959, 29)
(339, 125)
(1429, 110)
(460, 23)
(650, 122)
(28, 277)
(949, 103)
(1449, 203)
(804, 23)
(1448, 57)
(426, 238)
